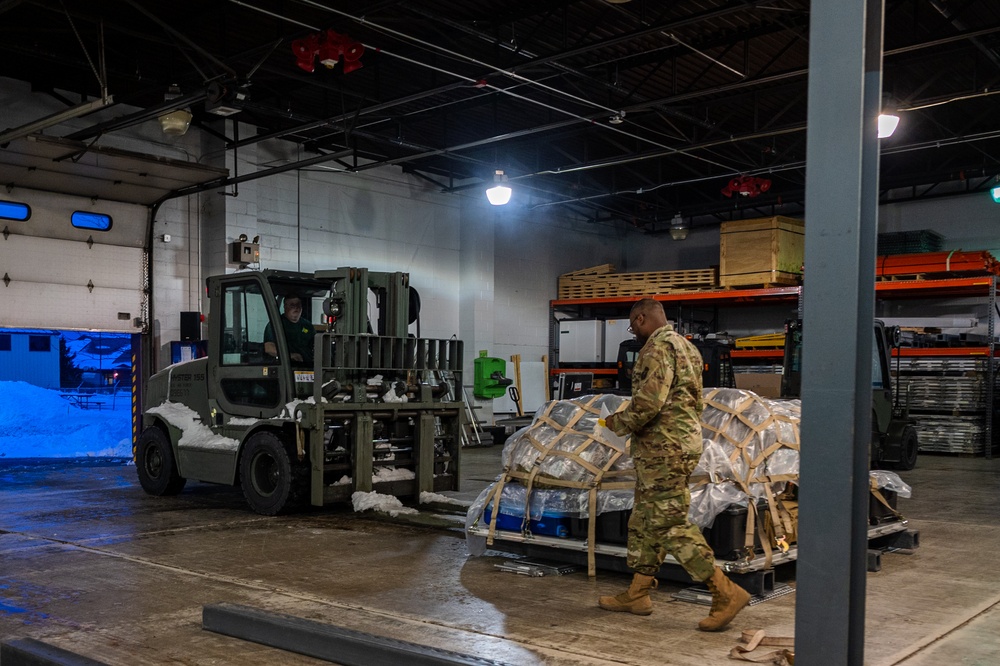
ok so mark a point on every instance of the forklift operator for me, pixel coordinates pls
(298, 333)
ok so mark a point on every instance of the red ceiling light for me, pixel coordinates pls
(329, 47)
(746, 186)
(305, 51)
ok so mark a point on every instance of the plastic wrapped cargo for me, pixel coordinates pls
(884, 480)
(748, 441)
(759, 436)
(562, 442)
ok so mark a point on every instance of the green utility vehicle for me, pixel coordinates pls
(894, 439)
(371, 410)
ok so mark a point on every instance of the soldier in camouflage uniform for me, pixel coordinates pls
(664, 420)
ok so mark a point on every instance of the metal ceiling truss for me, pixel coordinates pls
(708, 90)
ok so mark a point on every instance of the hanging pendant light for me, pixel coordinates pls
(500, 193)
(176, 122)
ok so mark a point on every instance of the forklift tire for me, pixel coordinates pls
(908, 449)
(154, 461)
(272, 484)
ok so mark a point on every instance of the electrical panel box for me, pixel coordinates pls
(581, 342)
(615, 332)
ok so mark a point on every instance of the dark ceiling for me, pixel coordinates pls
(711, 90)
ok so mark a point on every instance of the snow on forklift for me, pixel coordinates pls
(894, 440)
(372, 410)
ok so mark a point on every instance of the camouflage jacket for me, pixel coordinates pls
(665, 410)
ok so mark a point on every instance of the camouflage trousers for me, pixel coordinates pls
(659, 524)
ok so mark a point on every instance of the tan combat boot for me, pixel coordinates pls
(728, 599)
(635, 599)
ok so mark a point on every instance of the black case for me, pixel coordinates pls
(727, 534)
(877, 512)
(612, 527)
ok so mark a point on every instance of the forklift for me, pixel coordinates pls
(894, 440)
(371, 409)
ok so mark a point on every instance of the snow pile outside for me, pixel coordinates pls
(373, 501)
(39, 423)
(194, 434)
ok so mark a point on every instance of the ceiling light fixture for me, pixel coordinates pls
(224, 99)
(887, 123)
(888, 119)
(176, 122)
(679, 228)
(500, 193)
(617, 119)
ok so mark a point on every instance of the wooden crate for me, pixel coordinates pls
(603, 269)
(612, 285)
(763, 251)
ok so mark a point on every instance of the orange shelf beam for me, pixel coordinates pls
(969, 286)
(945, 351)
(757, 353)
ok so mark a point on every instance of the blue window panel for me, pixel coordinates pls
(95, 221)
(10, 210)
(39, 343)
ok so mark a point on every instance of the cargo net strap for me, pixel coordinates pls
(751, 431)
(592, 478)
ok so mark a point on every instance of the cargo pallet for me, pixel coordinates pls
(755, 575)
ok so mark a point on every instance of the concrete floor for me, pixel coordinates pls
(90, 563)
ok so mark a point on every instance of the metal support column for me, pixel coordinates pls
(990, 369)
(838, 308)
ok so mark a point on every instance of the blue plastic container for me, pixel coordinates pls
(556, 525)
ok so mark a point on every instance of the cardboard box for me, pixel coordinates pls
(764, 384)
(762, 251)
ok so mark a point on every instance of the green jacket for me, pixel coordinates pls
(298, 336)
(665, 411)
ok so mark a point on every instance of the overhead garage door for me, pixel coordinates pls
(74, 263)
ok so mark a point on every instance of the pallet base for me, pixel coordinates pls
(762, 279)
(890, 535)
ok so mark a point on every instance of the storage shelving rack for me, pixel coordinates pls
(675, 304)
(980, 286)
(940, 410)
